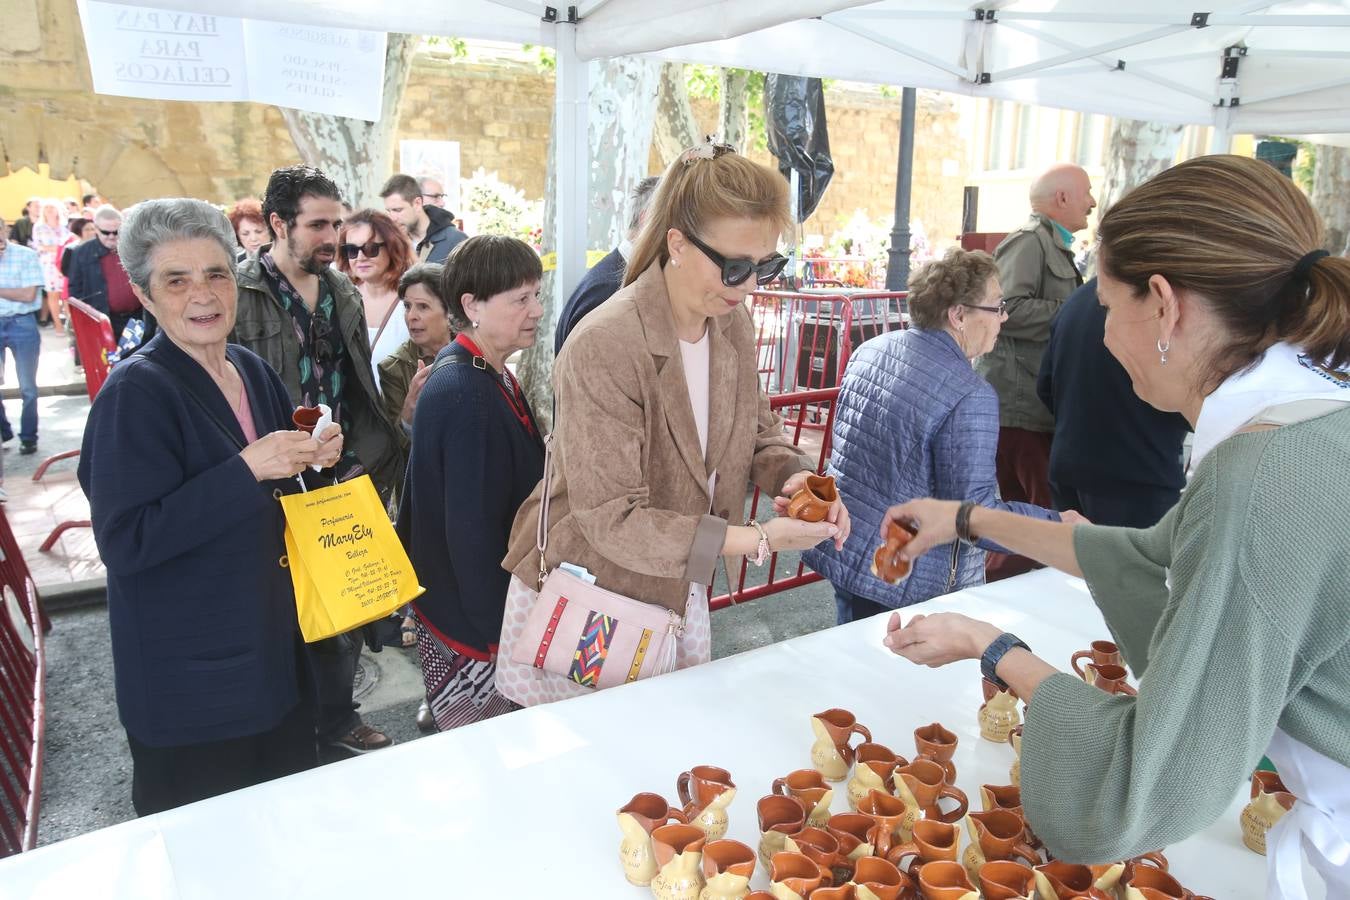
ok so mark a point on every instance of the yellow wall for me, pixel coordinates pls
(17, 188)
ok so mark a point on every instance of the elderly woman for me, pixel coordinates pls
(662, 423)
(477, 452)
(186, 448)
(1222, 306)
(915, 420)
(250, 228)
(374, 253)
(426, 316)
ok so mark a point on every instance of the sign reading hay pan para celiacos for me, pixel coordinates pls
(159, 54)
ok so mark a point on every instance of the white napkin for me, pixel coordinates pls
(325, 419)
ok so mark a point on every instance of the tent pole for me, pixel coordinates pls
(1221, 141)
(571, 152)
(897, 266)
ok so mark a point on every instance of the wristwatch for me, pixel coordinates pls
(963, 523)
(762, 554)
(994, 652)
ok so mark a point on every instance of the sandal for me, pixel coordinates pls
(409, 632)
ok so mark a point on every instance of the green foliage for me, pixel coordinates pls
(457, 48)
(545, 58)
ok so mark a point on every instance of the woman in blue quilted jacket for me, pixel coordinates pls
(916, 420)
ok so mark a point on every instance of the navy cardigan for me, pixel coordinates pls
(202, 615)
(471, 467)
(600, 283)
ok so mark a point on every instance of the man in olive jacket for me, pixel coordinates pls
(1037, 274)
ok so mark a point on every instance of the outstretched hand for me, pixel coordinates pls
(939, 638)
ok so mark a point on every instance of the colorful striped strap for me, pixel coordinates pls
(640, 655)
(547, 639)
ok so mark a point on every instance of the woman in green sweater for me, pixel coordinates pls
(1231, 611)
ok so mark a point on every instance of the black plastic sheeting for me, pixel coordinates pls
(794, 118)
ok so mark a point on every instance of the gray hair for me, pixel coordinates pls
(639, 200)
(428, 275)
(107, 212)
(152, 223)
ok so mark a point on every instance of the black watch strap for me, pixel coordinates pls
(994, 652)
(963, 522)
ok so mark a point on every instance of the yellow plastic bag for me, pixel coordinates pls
(347, 563)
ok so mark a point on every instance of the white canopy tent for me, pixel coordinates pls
(1241, 66)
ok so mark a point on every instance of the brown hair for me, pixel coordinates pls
(385, 230)
(1232, 230)
(484, 266)
(695, 190)
(961, 276)
(247, 208)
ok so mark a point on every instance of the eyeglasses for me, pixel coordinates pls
(370, 248)
(112, 233)
(434, 196)
(321, 339)
(736, 271)
(997, 310)
(705, 150)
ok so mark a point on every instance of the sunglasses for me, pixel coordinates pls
(112, 233)
(370, 248)
(706, 150)
(997, 310)
(321, 339)
(736, 271)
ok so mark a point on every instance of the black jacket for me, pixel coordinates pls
(598, 285)
(442, 235)
(86, 274)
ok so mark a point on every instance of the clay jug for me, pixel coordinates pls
(1110, 678)
(1107, 877)
(933, 841)
(637, 818)
(893, 820)
(793, 876)
(810, 789)
(812, 502)
(998, 715)
(878, 879)
(1009, 797)
(1149, 883)
(873, 772)
(706, 792)
(727, 867)
(887, 563)
(945, 880)
(306, 417)
(927, 781)
(851, 831)
(1058, 880)
(831, 754)
(778, 817)
(679, 858)
(1099, 653)
(819, 846)
(1015, 773)
(1005, 880)
(938, 744)
(1270, 801)
(996, 834)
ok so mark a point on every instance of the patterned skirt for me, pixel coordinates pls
(461, 690)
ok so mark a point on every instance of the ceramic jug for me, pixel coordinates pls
(852, 831)
(306, 417)
(792, 876)
(1005, 880)
(706, 792)
(1009, 797)
(727, 867)
(1015, 773)
(847, 891)
(1149, 883)
(1100, 653)
(893, 820)
(927, 782)
(812, 502)
(877, 879)
(811, 790)
(996, 834)
(1107, 877)
(819, 846)
(887, 563)
(938, 744)
(778, 817)
(1057, 880)
(873, 771)
(933, 841)
(679, 859)
(998, 715)
(945, 880)
(1110, 678)
(637, 818)
(831, 754)
(1270, 801)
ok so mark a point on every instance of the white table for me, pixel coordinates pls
(524, 805)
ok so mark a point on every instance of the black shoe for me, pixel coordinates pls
(6, 433)
(27, 448)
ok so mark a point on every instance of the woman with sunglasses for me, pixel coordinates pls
(915, 420)
(373, 252)
(661, 420)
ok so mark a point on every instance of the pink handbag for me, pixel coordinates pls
(586, 634)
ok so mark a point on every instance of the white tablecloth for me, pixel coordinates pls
(524, 805)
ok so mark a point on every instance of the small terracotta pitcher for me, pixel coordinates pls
(809, 787)
(927, 782)
(851, 830)
(1110, 678)
(998, 715)
(887, 563)
(1149, 883)
(1015, 773)
(1107, 877)
(873, 772)
(945, 880)
(933, 841)
(706, 792)
(878, 879)
(1057, 880)
(1009, 797)
(1100, 653)
(679, 859)
(812, 502)
(1005, 880)
(893, 820)
(306, 417)
(1270, 801)
(846, 891)
(996, 834)
(831, 754)
(938, 744)
(637, 818)
(793, 876)
(727, 867)
(778, 817)
(819, 846)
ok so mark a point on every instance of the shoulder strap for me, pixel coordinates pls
(541, 535)
(388, 314)
(456, 359)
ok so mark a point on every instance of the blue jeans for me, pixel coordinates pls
(19, 334)
(851, 607)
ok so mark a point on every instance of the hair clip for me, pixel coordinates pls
(709, 149)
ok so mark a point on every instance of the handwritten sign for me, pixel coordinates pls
(165, 55)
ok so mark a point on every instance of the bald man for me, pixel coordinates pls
(1037, 274)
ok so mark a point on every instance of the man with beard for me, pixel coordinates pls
(431, 229)
(306, 319)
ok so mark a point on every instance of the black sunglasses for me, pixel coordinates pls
(997, 310)
(370, 248)
(736, 271)
(321, 339)
(112, 233)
